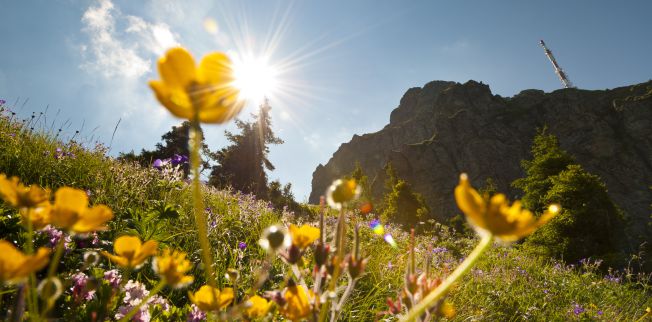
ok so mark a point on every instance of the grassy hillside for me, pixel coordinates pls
(507, 284)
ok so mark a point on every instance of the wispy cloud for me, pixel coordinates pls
(125, 52)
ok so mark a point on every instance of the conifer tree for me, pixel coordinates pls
(242, 164)
(589, 225)
(400, 203)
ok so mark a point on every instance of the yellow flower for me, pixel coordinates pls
(211, 299)
(207, 87)
(39, 216)
(259, 307)
(341, 191)
(71, 212)
(496, 216)
(171, 267)
(15, 266)
(131, 252)
(304, 236)
(297, 304)
(18, 195)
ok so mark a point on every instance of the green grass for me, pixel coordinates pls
(508, 284)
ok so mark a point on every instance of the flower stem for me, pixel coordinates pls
(153, 292)
(339, 244)
(51, 270)
(435, 295)
(32, 298)
(198, 200)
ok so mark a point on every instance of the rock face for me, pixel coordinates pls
(445, 128)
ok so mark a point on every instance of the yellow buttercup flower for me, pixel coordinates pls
(208, 87)
(341, 191)
(130, 252)
(20, 196)
(210, 299)
(15, 266)
(258, 308)
(39, 216)
(71, 212)
(304, 236)
(297, 305)
(496, 216)
(172, 267)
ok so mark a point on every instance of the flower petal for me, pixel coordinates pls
(470, 202)
(118, 260)
(215, 69)
(71, 199)
(176, 101)
(177, 68)
(93, 219)
(127, 246)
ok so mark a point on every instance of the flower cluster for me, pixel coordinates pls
(175, 160)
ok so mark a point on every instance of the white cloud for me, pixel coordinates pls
(126, 53)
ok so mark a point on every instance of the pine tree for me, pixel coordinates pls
(400, 203)
(590, 224)
(242, 164)
(363, 182)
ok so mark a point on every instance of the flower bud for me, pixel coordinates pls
(321, 254)
(355, 267)
(342, 191)
(275, 237)
(50, 289)
(91, 258)
(293, 255)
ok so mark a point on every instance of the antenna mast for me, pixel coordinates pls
(562, 76)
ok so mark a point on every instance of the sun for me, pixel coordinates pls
(254, 77)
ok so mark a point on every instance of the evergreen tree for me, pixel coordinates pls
(589, 225)
(547, 161)
(242, 164)
(400, 203)
(175, 142)
(363, 182)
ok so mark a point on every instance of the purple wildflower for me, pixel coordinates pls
(160, 301)
(242, 245)
(612, 278)
(79, 287)
(135, 292)
(578, 309)
(54, 235)
(178, 159)
(600, 312)
(439, 250)
(195, 314)
(2, 102)
(158, 164)
(113, 277)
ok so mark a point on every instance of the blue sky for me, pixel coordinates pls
(350, 61)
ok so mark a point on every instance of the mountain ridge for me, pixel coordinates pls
(445, 128)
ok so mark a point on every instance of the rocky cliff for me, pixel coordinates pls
(445, 128)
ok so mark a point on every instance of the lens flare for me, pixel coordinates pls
(390, 240)
(377, 227)
(254, 77)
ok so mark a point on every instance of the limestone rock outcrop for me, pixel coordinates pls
(445, 128)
